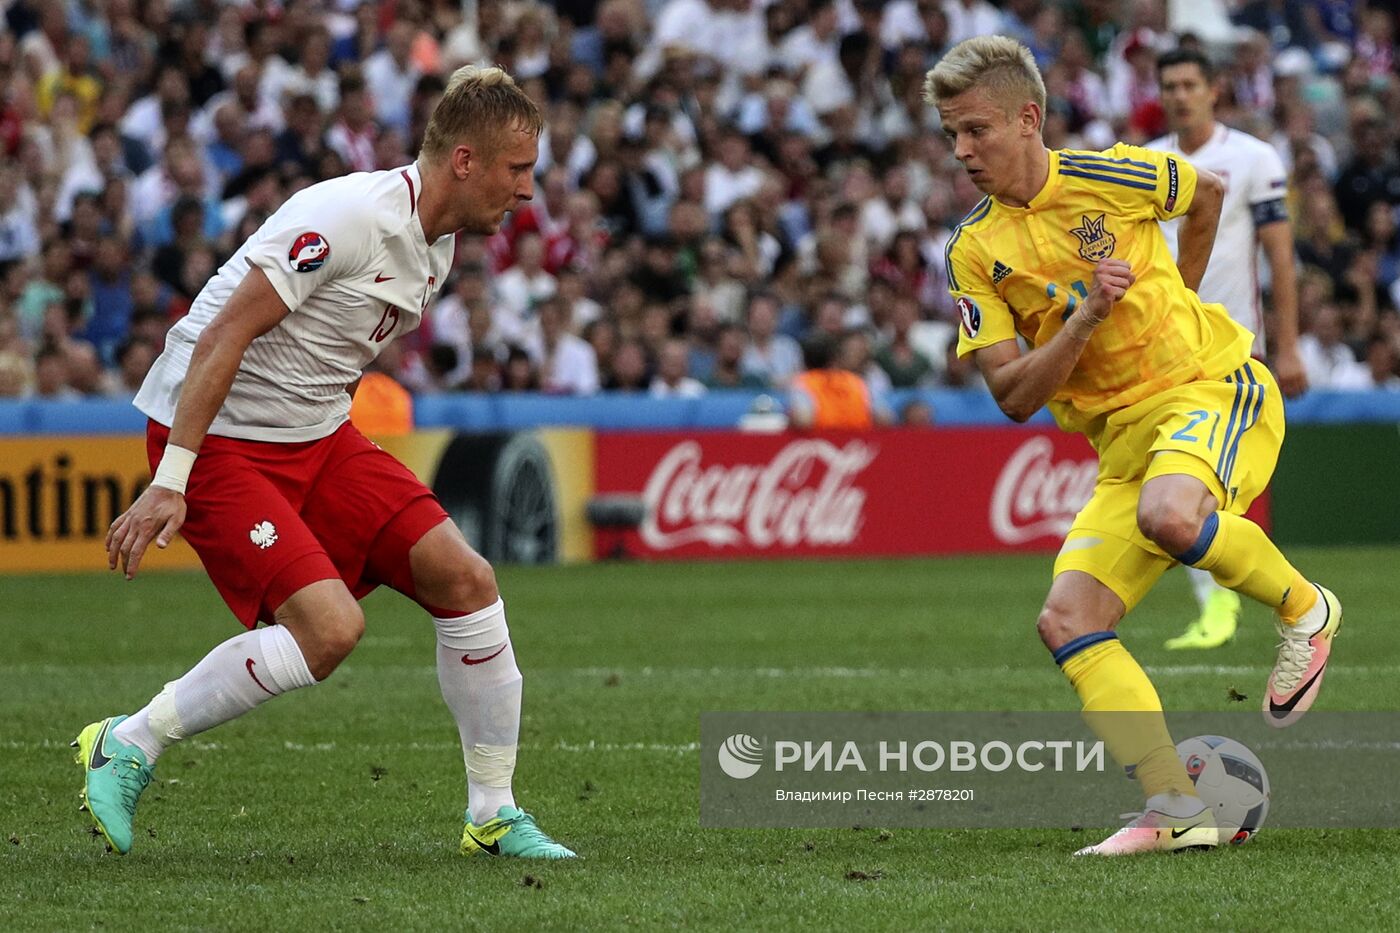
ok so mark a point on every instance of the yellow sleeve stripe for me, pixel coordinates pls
(983, 208)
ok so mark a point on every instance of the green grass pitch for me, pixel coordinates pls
(339, 807)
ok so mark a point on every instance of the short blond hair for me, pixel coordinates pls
(479, 106)
(997, 64)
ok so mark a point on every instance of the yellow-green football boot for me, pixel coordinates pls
(114, 775)
(511, 833)
(1216, 625)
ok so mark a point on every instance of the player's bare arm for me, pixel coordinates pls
(1277, 240)
(1197, 236)
(252, 310)
(1023, 382)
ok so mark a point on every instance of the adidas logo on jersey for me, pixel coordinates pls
(1000, 270)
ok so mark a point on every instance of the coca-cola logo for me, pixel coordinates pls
(805, 495)
(1036, 497)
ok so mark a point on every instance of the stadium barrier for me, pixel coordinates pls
(613, 411)
(662, 480)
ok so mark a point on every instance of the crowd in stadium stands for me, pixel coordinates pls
(719, 181)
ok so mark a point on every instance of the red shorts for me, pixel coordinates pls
(267, 519)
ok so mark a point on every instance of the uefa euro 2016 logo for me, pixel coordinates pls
(1095, 243)
(309, 252)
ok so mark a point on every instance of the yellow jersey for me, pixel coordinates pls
(1022, 271)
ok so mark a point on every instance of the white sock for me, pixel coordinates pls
(484, 697)
(1204, 585)
(1312, 621)
(236, 676)
(1174, 804)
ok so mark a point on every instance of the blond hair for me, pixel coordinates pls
(479, 106)
(998, 65)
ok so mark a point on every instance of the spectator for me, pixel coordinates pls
(134, 358)
(19, 235)
(673, 379)
(581, 309)
(566, 363)
(380, 407)
(698, 154)
(300, 144)
(485, 374)
(391, 77)
(1372, 175)
(111, 296)
(313, 75)
(826, 397)
(728, 371)
(352, 135)
(901, 361)
(1382, 365)
(773, 357)
(519, 373)
(74, 78)
(853, 354)
(658, 275)
(15, 374)
(733, 176)
(629, 370)
(522, 287)
(893, 211)
(51, 376)
(1329, 362)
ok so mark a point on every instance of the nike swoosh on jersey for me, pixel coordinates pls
(98, 760)
(494, 848)
(381, 277)
(467, 659)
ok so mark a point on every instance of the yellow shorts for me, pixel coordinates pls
(1226, 433)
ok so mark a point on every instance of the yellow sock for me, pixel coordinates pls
(1242, 558)
(1113, 687)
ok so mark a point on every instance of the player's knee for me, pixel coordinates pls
(336, 634)
(1168, 525)
(1056, 626)
(473, 584)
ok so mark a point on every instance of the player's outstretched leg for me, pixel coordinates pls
(1122, 707)
(1240, 556)
(1219, 614)
(114, 775)
(118, 754)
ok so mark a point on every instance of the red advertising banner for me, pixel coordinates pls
(894, 492)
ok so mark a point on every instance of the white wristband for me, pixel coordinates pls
(174, 470)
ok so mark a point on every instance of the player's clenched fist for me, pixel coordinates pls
(1112, 279)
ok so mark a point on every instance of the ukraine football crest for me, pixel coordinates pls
(1095, 243)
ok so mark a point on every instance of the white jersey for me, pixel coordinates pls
(349, 258)
(1255, 185)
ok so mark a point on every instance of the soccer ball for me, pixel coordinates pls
(1230, 780)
